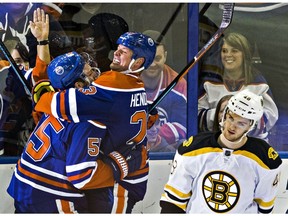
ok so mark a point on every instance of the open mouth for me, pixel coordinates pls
(116, 61)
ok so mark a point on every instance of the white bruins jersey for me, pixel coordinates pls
(206, 178)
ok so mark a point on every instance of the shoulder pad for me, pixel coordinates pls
(195, 142)
(264, 152)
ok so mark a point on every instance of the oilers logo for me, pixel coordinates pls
(59, 70)
(221, 191)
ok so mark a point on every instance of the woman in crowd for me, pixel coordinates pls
(237, 74)
(219, 112)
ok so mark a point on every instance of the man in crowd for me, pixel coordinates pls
(172, 109)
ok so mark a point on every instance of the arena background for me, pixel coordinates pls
(265, 25)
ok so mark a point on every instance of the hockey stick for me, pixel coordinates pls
(174, 15)
(1, 106)
(171, 20)
(204, 9)
(226, 21)
(15, 67)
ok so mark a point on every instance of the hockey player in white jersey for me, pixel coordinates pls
(227, 171)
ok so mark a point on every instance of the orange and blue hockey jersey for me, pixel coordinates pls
(60, 158)
(117, 101)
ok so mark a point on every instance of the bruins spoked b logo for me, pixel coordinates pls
(221, 191)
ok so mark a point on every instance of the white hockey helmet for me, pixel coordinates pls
(247, 105)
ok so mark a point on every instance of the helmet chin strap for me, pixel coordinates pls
(129, 68)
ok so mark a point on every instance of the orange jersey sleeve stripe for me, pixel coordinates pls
(80, 176)
(62, 105)
(66, 207)
(120, 199)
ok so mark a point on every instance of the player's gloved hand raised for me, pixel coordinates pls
(39, 89)
(125, 161)
(153, 117)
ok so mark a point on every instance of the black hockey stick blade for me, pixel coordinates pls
(15, 67)
(226, 21)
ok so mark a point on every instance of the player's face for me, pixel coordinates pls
(92, 73)
(232, 58)
(88, 75)
(157, 66)
(122, 59)
(235, 126)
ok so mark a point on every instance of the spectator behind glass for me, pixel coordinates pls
(19, 53)
(219, 112)
(210, 63)
(16, 122)
(54, 9)
(172, 109)
(100, 37)
(155, 142)
(14, 19)
(74, 30)
(237, 74)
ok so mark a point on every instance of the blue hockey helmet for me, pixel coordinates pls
(141, 45)
(65, 69)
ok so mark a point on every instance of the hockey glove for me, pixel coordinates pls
(136, 157)
(118, 164)
(152, 118)
(123, 164)
(40, 88)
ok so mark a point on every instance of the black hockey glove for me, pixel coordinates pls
(124, 161)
